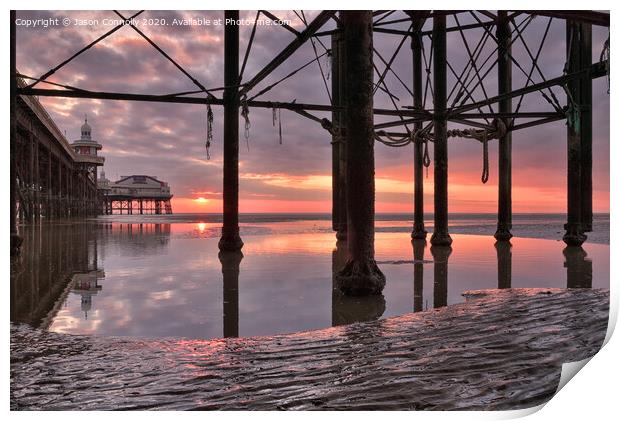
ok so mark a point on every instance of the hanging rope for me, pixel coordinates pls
(328, 64)
(209, 130)
(245, 113)
(399, 141)
(483, 136)
(605, 57)
(276, 116)
(280, 123)
(497, 131)
(426, 159)
(485, 159)
(423, 135)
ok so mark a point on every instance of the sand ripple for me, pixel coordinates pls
(501, 349)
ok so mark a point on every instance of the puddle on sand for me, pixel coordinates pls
(166, 280)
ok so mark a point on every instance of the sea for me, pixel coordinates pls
(161, 276)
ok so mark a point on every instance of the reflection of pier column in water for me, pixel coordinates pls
(230, 261)
(52, 256)
(440, 268)
(339, 258)
(347, 309)
(504, 264)
(418, 274)
(578, 268)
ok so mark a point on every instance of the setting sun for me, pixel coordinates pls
(201, 200)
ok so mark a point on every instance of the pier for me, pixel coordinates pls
(462, 109)
(51, 177)
(135, 195)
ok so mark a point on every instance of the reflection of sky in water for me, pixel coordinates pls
(169, 283)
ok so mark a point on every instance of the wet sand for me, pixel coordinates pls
(500, 349)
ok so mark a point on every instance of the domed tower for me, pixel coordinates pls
(86, 148)
(87, 160)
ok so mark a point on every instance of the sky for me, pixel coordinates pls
(168, 140)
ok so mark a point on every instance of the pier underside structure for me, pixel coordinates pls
(51, 182)
(477, 98)
(48, 181)
(129, 205)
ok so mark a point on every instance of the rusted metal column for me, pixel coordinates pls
(50, 212)
(16, 240)
(579, 133)
(31, 175)
(345, 309)
(419, 232)
(68, 187)
(418, 274)
(585, 108)
(504, 264)
(61, 204)
(231, 241)
(440, 237)
(230, 261)
(440, 269)
(71, 191)
(504, 85)
(339, 203)
(336, 188)
(361, 275)
(37, 181)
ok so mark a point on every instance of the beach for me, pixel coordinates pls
(496, 351)
(147, 294)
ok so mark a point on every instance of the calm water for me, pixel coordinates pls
(130, 276)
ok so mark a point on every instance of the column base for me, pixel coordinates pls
(230, 260)
(574, 235)
(16, 244)
(360, 278)
(230, 241)
(503, 234)
(441, 239)
(419, 233)
(441, 253)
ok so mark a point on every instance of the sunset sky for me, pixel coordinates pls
(168, 140)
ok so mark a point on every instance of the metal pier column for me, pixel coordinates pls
(230, 240)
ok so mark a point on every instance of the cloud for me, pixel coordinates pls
(168, 140)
